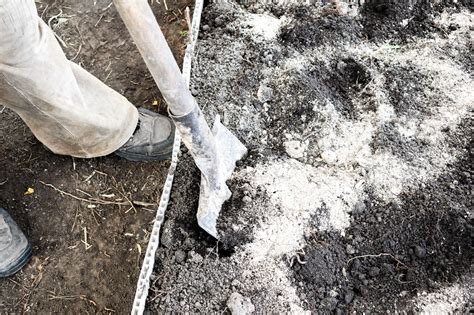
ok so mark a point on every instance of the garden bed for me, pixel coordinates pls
(356, 192)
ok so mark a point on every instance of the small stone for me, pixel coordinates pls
(195, 257)
(264, 94)
(420, 252)
(341, 65)
(167, 239)
(247, 199)
(359, 207)
(295, 148)
(219, 21)
(205, 27)
(350, 249)
(230, 29)
(180, 256)
(240, 305)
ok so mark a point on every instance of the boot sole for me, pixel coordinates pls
(19, 262)
(141, 157)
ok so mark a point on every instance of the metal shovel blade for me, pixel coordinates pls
(215, 153)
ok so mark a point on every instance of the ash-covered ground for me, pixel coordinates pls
(356, 194)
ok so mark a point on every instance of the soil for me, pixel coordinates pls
(356, 194)
(65, 274)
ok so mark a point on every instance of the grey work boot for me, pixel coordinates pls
(153, 139)
(15, 250)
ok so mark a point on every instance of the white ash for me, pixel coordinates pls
(240, 305)
(298, 191)
(448, 300)
(262, 26)
(328, 190)
(296, 148)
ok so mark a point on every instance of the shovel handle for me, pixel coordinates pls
(146, 33)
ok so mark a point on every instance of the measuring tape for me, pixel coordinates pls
(149, 261)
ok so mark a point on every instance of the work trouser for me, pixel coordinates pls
(69, 110)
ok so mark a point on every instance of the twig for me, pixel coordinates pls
(49, 24)
(86, 244)
(107, 7)
(143, 204)
(378, 255)
(188, 21)
(21, 285)
(29, 160)
(85, 193)
(63, 297)
(124, 195)
(75, 218)
(45, 10)
(93, 212)
(108, 75)
(98, 21)
(77, 53)
(402, 282)
(91, 200)
(161, 293)
(139, 250)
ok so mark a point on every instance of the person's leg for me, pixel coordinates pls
(38, 83)
(68, 109)
(15, 250)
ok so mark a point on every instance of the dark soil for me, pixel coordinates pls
(64, 276)
(396, 22)
(399, 21)
(392, 251)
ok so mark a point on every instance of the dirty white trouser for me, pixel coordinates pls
(67, 109)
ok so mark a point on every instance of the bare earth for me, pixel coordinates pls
(66, 274)
(356, 195)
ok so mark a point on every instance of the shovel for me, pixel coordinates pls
(215, 152)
